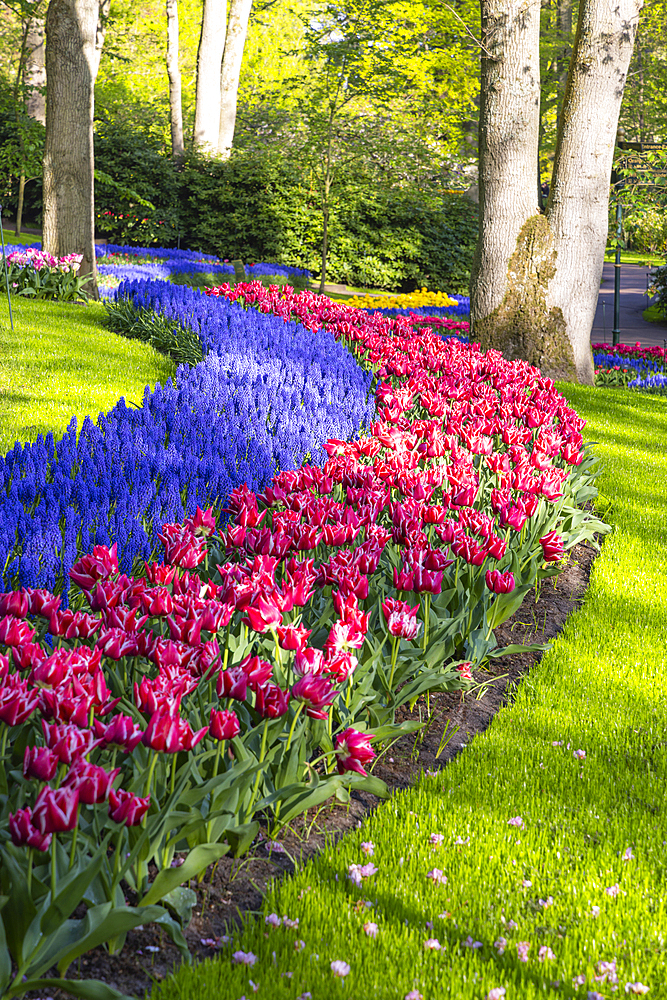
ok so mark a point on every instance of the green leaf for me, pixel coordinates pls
(517, 647)
(5, 957)
(86, 989)
(241, 837)
(72, 892)
(96, 931)
(181, 901)
(197, 860)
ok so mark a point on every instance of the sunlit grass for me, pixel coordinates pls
(564, 877)
(61, 362)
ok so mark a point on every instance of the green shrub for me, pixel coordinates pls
(647, 229)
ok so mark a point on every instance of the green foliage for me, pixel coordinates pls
(164, 335)
(599, 688)
(647, 230)
(257, 206)
(659, 288)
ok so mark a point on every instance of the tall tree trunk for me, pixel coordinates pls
(209, 65)
(35, 70)
(578, 207)
(508, 141)
(72, 60)
(237, 29)
(174, 74)
(537, 277)
(19, 207)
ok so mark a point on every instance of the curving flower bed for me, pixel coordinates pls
(266, 396)
(250, 675)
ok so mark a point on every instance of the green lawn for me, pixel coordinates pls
(637, 257)
(577, 885)
(59, 362)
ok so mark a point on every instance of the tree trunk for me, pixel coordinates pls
(19, 207)
(237, 29)
(537, 277)
(209, 65)
(578, 207)
(174, 74)
(72, 60)
(35, 70)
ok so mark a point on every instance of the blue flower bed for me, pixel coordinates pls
(640, 365)
(173, 262)
(266, 396)
(650, 383)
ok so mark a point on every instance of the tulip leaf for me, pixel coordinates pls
(197, 860)
(517, 647)
(100, 924)
(369, 783)
(19, 911)
(5, 957)
(72, 889)
(174, 931)
(390, 732)
(86, 989)
(180, 901)
(241, 837)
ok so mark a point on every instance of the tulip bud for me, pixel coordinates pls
(55, 810)
(224, 725)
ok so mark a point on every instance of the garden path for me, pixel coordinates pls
(634, 300)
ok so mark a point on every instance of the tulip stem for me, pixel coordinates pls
(29, 877)
(5, 733)
(394, 658)
(53, 867)
(261, 759)
(221, 750)
(291, 732)
(427, 615)
(173, 773)
(224, 662)
(149, 779)
(72, 852)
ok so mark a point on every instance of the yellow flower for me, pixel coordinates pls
(409, 300)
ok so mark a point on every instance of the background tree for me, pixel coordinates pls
(536, 277)
(209, 64)
(174, 74)
(237, 29)
(74, 39)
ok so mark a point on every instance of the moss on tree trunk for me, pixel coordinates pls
(522, 326)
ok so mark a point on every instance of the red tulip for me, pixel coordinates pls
(271, 702)
(499, 583)
(40, 763)
(309, 661)
(100, 564)
(68, 742)
(316, 693)
(233, 683)
(73, 624)
(122, 731)
(495, 547)
(263, 614)
(16, 603)
(552, 547)
(23, 833)
(292, 637)
(168, 732)
(224, 725)
(401, 618)
(116, 643)
(353, 750)
(17, 704)
(340, 666)
(43, 602)
(93, 783)
(159, 573)
(465, 671)
(55, 810)
(257, 671)
(15, 631)
(202, 523)
(29, 656)
(127, 808)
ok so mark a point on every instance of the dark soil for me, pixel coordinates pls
(233, 887)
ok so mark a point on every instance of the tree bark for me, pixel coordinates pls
(237, 29)
(209, 66)
(174, 74)
(35, 70)
(72, 59)
(537, 277)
